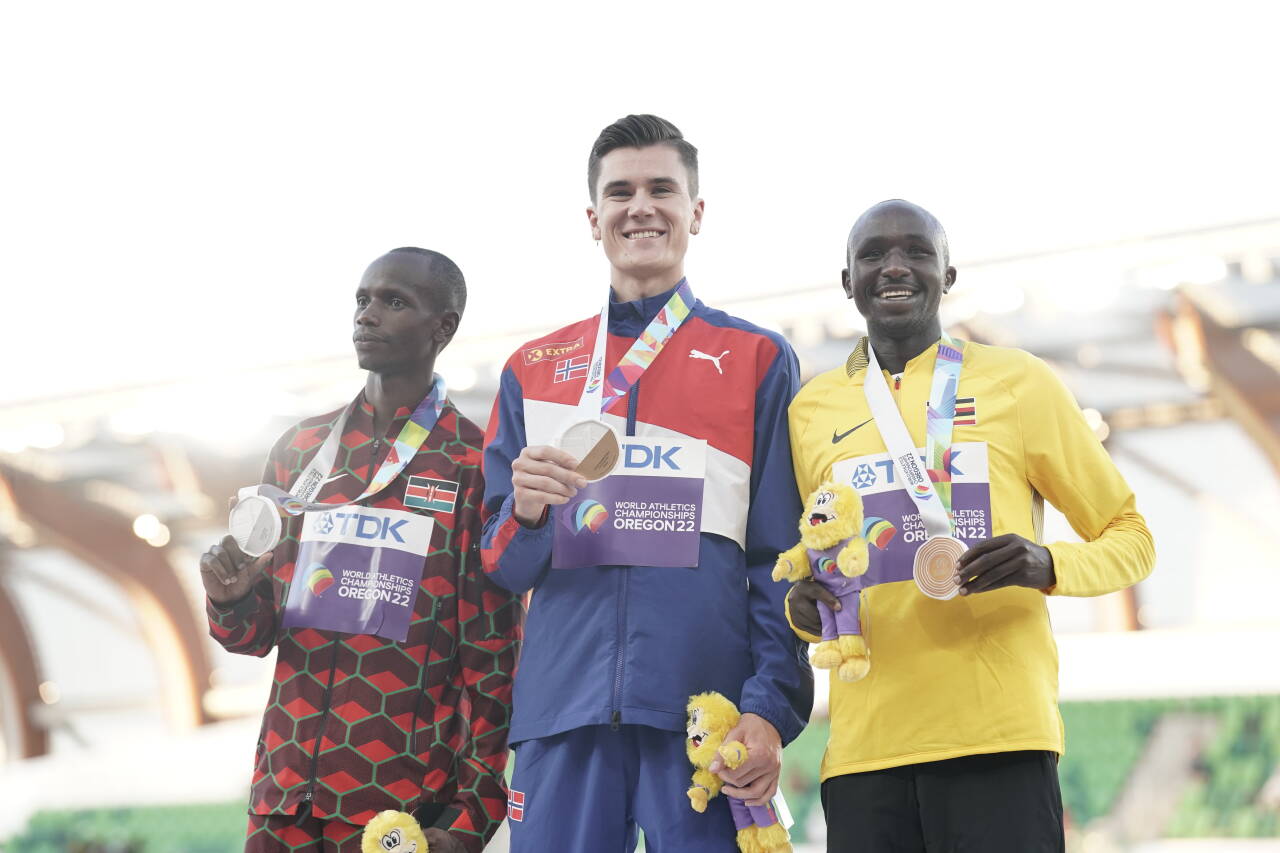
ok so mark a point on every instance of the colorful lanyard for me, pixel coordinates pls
(600, 391)
(935, 480)
(411, 438)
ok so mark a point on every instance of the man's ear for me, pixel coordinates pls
(448, 325)
(846, 283)
(594, 219)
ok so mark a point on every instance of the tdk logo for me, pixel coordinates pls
(864, 476)
(643, 456)
(361, 526)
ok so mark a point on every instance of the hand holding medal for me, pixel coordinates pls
(1008, 560)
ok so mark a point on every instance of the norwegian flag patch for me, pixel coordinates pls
(515, 805)
(571, 368)
(434, 495)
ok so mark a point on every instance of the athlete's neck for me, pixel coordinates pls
(893, 352)
(629, 288)
(388, 392)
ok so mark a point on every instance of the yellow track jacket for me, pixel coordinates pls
(979, 673)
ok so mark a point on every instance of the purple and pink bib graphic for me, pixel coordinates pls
(647, 513)
(892, 523)
(358, 571)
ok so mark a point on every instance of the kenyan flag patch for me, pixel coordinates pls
(432, 495)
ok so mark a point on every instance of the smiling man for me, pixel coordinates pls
(394, 652)
(950, 741)
(652, 583)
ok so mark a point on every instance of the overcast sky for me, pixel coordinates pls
(190, 186)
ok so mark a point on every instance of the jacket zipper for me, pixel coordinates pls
(616, 719)
(304, 810)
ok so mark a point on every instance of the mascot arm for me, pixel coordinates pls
(705, 786)
(792, 564)
(734, 753)
(852, 559)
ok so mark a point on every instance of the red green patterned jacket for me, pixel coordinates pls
(349, 729)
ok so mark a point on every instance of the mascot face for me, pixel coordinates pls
(393, 832)
(832, 514)
(711, 716)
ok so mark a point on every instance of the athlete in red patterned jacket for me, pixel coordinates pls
(359, 722)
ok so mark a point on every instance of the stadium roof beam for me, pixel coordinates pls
(105, 541)
(23, 735)
(1247, 384)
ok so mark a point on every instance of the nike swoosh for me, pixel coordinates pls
(836, 438)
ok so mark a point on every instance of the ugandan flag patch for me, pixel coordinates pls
(966, 412)
(432, 495)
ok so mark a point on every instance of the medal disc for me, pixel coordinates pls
(255, 525)
(935, 566)
(596, 446)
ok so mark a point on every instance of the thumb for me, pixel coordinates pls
(717, 764)
(261, 564)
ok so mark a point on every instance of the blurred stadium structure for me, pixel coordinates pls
(125, 727)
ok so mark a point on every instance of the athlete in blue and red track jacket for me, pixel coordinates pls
(630, 644)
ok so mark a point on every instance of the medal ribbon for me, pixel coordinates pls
(600, 392)
(929, 489)
(406, 445)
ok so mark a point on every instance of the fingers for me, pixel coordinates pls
(995, 577)
(229, 544)
(757, 792)
(803, 609)
(547, 471)
(986, 546)
(211, 564)
(817, 592)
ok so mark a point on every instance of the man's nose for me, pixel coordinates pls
(895, 268)
(367, 316)
(641, 205)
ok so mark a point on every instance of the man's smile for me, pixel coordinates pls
(647, 234)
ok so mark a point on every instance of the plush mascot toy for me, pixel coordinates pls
(833, 551)
(393, 832)
(711, 716)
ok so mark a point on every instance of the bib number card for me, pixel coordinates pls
(647, 513)
(358, 570)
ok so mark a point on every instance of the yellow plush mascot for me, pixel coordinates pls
(393, 832)
(833, 552)
(711, 717)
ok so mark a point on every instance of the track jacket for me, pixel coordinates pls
(979, 673)
(356, 723)
(630, 644)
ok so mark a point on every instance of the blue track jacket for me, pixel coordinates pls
(630, 644)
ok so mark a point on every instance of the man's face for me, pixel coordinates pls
(644, 215)
(397, 329)
(897, 269)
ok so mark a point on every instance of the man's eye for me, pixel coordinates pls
(872, 254)
(917, 251)
(362, 301)
(397, 304)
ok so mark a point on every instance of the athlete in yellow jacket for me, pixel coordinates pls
(953, 736)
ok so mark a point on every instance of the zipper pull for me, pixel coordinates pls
(615, 721)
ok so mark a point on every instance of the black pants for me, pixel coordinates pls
(1007, 801)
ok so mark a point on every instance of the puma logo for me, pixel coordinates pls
(714, 359)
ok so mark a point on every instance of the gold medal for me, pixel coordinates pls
(935, 566)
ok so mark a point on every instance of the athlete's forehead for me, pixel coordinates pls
(895, 220)
(399, 270)
(647, 166)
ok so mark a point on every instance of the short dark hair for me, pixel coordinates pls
(445, 284)
(641, 131)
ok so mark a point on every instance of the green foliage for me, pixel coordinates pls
(207, 828)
